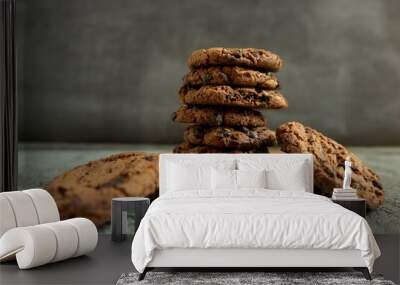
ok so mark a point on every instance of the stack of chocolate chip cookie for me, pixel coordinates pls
(220, 96)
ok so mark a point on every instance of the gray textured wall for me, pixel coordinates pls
(110, 70)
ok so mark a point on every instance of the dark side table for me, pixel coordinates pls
(125, 210)
(357, 205)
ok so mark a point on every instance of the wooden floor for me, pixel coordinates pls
(106, 264)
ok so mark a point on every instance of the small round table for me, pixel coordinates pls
(121, 207)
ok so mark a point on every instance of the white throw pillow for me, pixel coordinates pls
(293, 179)
(183, 177)
(251, 178)
(282, 173)
(224, 179)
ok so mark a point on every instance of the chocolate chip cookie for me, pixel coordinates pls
(231, 75)
(227, 137)
(186, 147)
(87, 190)
(329, 157)
(229, 96)
(218, 116)
(248, 57)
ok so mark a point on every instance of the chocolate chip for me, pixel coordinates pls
(223, 133)
(219, 119)
(62, 191)
(253, 135)
(198, 132)
(224, 77)
(226, 132)
(231, 97)
(377, 184)
(237, 53)
(207, 78)
(244, 129)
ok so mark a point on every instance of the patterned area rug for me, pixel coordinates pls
(229, 278)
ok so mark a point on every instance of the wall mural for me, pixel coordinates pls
(104, 88)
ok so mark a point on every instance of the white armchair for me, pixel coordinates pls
(31, 230)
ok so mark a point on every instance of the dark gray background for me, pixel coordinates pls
(109, 71)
